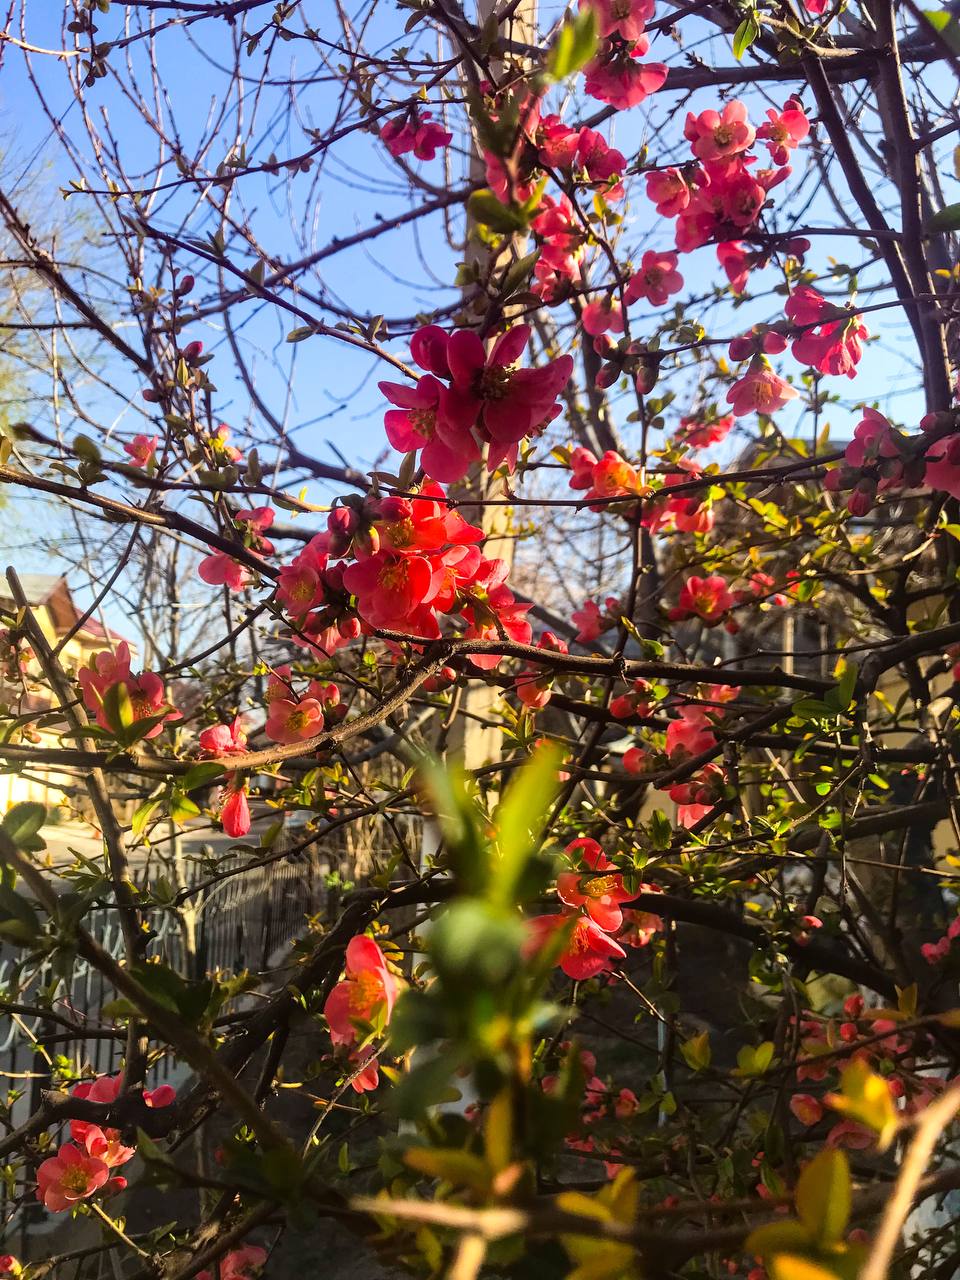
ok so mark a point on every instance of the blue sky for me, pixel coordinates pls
(324, 391)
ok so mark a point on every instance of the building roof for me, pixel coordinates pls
(52, 590)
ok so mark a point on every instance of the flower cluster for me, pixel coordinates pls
(82, 1168)
(471, 399)
(596, 895)
(414, 132)
(119, 699)
(220, 569)
(832, 337)
(616, 75)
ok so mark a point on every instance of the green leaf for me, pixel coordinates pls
(520, 819)
(945, 219)
(117, 707)
(518, 274)
(823, 1196)
(201, 775)
(142, 816)
(575, 45)
(947, 28)
(484, 207)
(23, 821)
(744, 36)
(696, 1051)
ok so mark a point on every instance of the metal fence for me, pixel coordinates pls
(241, 923)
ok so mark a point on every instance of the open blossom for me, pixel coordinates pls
(602, 314)
(623, 18)
(608, 477)
(238, 1264)
(600, 893)
(601, 162)
(694, 799)
(415, 424)
(292, 721)
(556, 142)
(714, 135)
(700, 434)
(689, 735)
(414, 132)
(145, 692)
(759, 391)
(655, 280)
(105, 1143)
(368, 989)
(943, 466)
(588, 951)
(784, 130)
(69, 1176)
(141, 450)
(669, 191)
(618, 77)
(706, 598)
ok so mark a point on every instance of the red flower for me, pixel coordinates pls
(367, 989)
(600, 894)
(616, 77)
(669, 191)
(224, 739)
(69, 1176)
(235, 812)
(714, 135)
(588, 951)
(141, 450)
(759, 391)
(291, 721)
(706, 598)
(656, 279)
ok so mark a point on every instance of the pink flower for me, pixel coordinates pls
(368, 989)
(235, 812)
(705, 598)
(447, 454)
(635, 760)
(415, 133)
(603, 314)
(291, 721)
(238, 1264)
(368, 1077)
(873, 439)
(600, 894)
(835, 348)
(588, 951)
(735, 262)
(689, 735)
(716, 135)
(557, 142)
(508, 403)
(784, 130)
(634, 703)
(624, 18)
(221, 570)
(700, 434)
(610, 477)
(759, 391)
(943, 466)
(669, 191)
(589, 622)
(601, 161)
(391, 588)
(299, 587)
(616, 77)
(224, 739)
(69, 1176)
(145, 692)
(534, 684)
(141, 450)
(656, 279)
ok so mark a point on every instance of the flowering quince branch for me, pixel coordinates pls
(598, 740)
